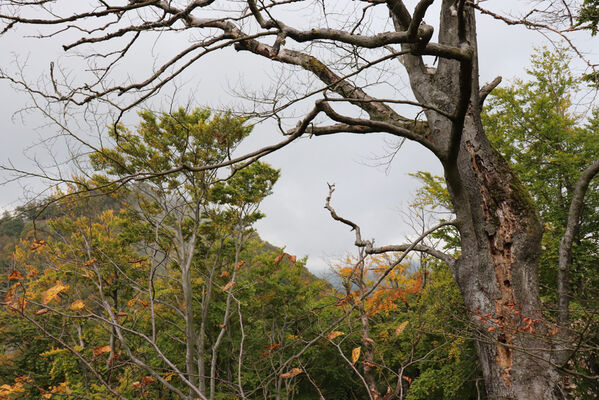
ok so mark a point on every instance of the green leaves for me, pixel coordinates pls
(589, 15)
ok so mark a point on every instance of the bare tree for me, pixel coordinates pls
(498, 223)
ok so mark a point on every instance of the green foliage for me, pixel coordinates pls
(440, 327)
(589, 15)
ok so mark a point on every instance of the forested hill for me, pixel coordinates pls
(29, 223)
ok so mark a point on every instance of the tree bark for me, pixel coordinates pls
(497, 271)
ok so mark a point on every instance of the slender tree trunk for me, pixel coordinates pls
(226, 316)
(190, 334)
(368, 354)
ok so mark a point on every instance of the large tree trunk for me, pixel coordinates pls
(499, 226)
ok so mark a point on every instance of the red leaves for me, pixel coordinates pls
(269, 349)
(148, 380)
(510, 319)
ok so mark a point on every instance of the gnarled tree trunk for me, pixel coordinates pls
(497, 219)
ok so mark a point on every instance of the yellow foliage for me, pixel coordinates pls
(292, 373)
(355, 354)
(60, 388)
(53, 292)
(6, 390)
(77, 305)
(53, 351)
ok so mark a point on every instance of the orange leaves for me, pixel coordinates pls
(355, 354)
(224, 274)
(239, 265)
(90, 262)
(53, 292)
(335, 334)
(228, 286)
(10, 298)
(7, 390)
(147, 380)
(169, 376)
(61, 389)
(292, 259)
(269, 349)
(511, 320)
(98, 351)
(292, 373)
(395, 284)
(384, 299)
(12, 301)
(15, 276)
(42, 311)
(346, 271)
(77, 305)
(132, 302)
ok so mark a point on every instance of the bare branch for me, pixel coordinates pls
(486, 89)
(565, 249)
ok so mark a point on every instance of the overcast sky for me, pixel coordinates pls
(373, 196)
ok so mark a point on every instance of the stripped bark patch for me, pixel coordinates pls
(500, 227)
